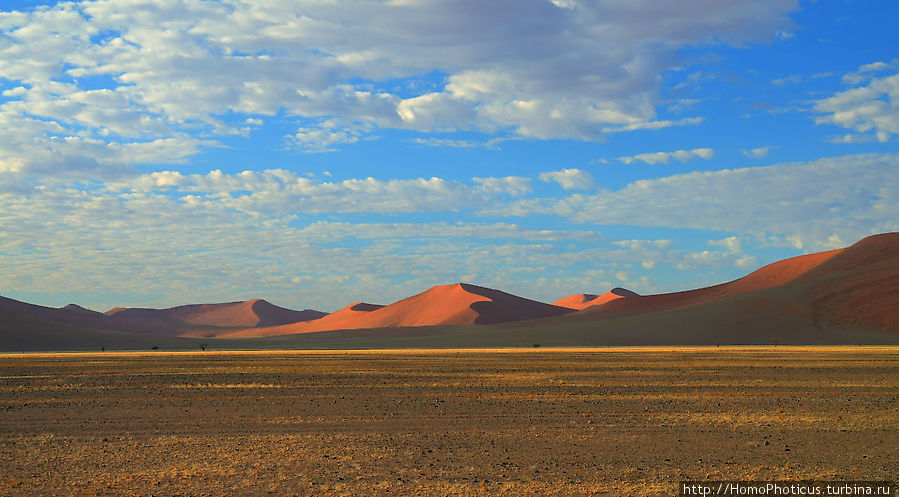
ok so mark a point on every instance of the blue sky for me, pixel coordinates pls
(317, 153)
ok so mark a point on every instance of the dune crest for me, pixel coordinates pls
(859, 287)
(582, 301)
(244, 314)
(837, 296)
(773, 275)
(456, 304)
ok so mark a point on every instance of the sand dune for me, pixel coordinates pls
(80, 310)
(345, 318)
(848, 295)
(585, 300)
(244, 314)
(859, 287)
(457, 304)
(773, 275)
(74, 315)
(188, 320)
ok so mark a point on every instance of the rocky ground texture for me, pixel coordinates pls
(617, 421)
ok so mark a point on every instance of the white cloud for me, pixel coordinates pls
(871, 108)
(849, 196)
(756, 153)
(510, 185)
(665, 157)
(866, 71)
(323, 138)
(731, 243)
(570, 179)
(746, 262)
(644, 244)
(278, 192)
(120, 73)
(653, 125)
(787, 80)
(851, 138)
(444, 142)
(72, 239)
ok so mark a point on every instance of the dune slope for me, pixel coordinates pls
(244, 314)
(458, 304)
(773, 275)
(585, 300)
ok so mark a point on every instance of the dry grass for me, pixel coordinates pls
(608, 421)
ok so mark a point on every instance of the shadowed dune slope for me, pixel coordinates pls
(585, 300)
(847, 296)
(856, 287)
(457, 304)
(770, 276)
(859, 287)
(74, 315)
(80, 310)
(195, 320)
(338, 320)
(244, 314)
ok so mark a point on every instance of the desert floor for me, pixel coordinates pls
(616, 421)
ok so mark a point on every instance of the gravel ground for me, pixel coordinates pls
(618, 421)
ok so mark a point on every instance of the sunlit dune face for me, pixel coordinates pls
(457, 304)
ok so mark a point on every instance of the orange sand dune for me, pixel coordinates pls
(337, 320)
(585, 300)
(456, 304)
(245, 314)
(772, 275)
(859, 287)
(855, 289)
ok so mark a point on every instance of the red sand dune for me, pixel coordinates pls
(337, 320)
(859, 287)
(456, 304)
(856, 288)
(773, 275)
(170, 322)
(585, 300)
(245, 314)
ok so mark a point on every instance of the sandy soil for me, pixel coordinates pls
(623, 421)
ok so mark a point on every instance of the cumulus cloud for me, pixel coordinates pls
(116, 74)
(731, 243)
(216, 249)
(665, 157)
(872, 108)
(277, 192)
(866, 71)
(570, 179)
(756, 153)
(848, 196)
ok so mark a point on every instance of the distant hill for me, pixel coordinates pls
(843, 296)
(244, 314)
(457, 304)
(201, 320)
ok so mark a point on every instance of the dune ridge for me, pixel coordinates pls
(848, 295)
(244, 314)
(773, 275)
(584, 300)
(456, 304)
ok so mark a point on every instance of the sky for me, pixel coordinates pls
(317, 153)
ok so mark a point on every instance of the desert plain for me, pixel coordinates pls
(526, 421)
